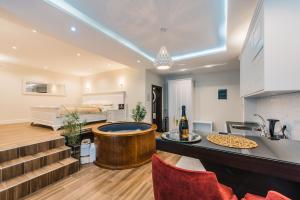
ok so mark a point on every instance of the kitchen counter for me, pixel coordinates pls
(277, 161)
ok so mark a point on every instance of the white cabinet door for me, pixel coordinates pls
(257, 73)
(246, 72)
(252, 60)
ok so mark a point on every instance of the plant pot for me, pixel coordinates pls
(69, 140)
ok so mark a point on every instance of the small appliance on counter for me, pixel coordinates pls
(243, 128)
(273, 134)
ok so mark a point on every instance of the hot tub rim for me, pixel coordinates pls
(96, 131)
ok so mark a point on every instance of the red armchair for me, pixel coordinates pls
(272, 195)
(172, 183)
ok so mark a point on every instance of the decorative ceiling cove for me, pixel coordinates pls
(195, 28)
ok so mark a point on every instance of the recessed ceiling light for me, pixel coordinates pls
(45, 67)
(163, 67)
(109, 64)
(208, 66)
(14, 47)
(138, 61)
(182, 70)
(78, 54)
(73, 28)
(34, 31)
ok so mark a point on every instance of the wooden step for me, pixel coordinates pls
(30, 148)
(29, 183)
(17, 167)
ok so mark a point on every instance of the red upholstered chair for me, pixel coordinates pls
(172, 183)
(272, 195)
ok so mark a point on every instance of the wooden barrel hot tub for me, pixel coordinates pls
(124, 145)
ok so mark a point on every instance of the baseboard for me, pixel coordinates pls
(14, 121)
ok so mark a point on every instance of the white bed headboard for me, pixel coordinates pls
(114, 98)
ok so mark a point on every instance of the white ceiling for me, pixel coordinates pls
(192, 26)
(24, 46)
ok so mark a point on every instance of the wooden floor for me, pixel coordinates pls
(22, 134)
(91, 182)
(94, 183)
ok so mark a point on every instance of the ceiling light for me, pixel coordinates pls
(78, 54)
(138, 61)
(109, 64)
(212, 65)
(8, 59)
(163, 67)
(73, 28)
(34, 31)
(14, 47)
(208, 66)
(45, 67)
(163, 59)
(182, 70)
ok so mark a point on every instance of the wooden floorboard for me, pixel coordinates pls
(23, 134)
(12, 135)
(93, 183)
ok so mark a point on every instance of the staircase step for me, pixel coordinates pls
(30, 148)
(28, 183)
(17, 167)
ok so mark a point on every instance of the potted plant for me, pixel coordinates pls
(138, 114)
(72, 129)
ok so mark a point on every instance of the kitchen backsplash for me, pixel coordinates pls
(285, 107)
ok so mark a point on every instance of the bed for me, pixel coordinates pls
(95, 107)
(53, 116)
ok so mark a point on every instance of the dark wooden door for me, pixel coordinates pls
(157, 106)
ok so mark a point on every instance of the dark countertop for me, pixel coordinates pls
(271, 157)
(277, 150)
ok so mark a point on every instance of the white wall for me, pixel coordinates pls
(15, 107)
(207, 107)
(130, 80)
(284, 107)
(151, 79)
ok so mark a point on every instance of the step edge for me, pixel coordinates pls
(16, 146)
(40, 156)
(59, 165)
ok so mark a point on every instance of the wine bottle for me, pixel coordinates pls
(183, 126)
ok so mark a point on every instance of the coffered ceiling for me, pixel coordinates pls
(198, 32)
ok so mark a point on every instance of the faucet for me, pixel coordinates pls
(262, 125)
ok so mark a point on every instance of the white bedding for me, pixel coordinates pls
(52, 116)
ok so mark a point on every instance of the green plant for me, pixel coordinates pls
(139, 113)
(72, 128)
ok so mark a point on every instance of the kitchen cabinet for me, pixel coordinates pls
(269, 63)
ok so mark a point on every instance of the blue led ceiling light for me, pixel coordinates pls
(69, 9)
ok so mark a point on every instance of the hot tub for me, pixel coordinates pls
(124, 145)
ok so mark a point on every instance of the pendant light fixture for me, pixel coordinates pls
(163, 59)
